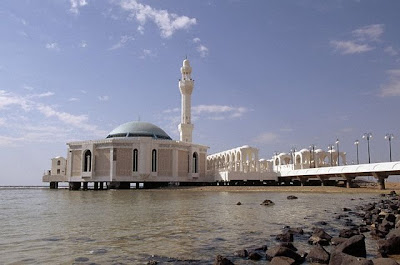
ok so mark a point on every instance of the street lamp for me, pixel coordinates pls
(357, 143)
(389, 137)
(330, 147)
(368, 136)
(312, 148)
(293, 152)
(338, 153)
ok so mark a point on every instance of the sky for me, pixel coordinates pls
(269, 74)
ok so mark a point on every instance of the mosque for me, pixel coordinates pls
(140, 153)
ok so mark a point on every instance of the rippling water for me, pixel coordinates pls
(42, 226)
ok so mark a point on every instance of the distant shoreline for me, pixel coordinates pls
(299, 189)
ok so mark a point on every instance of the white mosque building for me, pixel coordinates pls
(140, 152)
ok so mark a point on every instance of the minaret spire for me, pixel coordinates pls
(186, 89)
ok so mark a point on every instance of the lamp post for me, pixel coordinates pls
(338, 153)
(312, 148)
(356, 144)
(368, 136)
(389, 137)
(293, 152)
(330, 147)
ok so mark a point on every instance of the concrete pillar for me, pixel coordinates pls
(349, 182)
(95, 185)
(101, 185)
(85, 186)
(74, 185)
(303, 181)
(381, 182)
(53, 185)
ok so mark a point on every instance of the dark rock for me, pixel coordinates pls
(347, 233)
(376, 232)
(346, 209)
(152, 262)
(279, 251)
(285, 237)
(363, 229)
(295, 230)
(241, 253)
(255, 256)
(267, 203)
(391, 245)
(321, 223)
(338, 258)
(82, 259)
(262, 248)
(386, 225)
(354, 246)
(319, 236)
(239, 203)
(282, 261)
(291, 197)
(390, 218)
(318, 255)
(384, 261)
(289, 245)
(392, 193)
(221, 260)
(341, 216)
(337, 240)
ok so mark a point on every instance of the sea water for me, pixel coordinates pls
(43, 226)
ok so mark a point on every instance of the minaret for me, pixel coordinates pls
(186, 88)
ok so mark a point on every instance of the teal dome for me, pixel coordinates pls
(139, 129)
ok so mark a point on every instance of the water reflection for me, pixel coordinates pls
(46, 226)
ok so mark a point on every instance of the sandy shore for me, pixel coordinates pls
(312, 189)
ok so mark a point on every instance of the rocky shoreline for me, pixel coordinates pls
(381, 219)
(376, 220)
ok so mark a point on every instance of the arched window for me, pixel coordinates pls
(88, 161)
(276, 162)
(135, 160)
(58, 162)
(154, 160)
(195, 163)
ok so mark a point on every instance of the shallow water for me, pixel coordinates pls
(43, 226)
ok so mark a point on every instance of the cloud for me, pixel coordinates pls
(369, 33)
(52, 46)
(392, 87)
(73, 99)
(76, 4)
(28, 87)
(121, 43)
(19, 129)
(203, 50)
(2, 121)
(140, 29)
(196, 40)
(42, 95)
(168, 23)
(266, 138)
(7, 99)
(391, 51)
(147, 53)
(350, 47)
(103, 98)
(217, 110)
(83, 44)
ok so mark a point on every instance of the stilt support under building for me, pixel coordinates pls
(53, 185)
(95, 185)
(85, 186)
(74, 185)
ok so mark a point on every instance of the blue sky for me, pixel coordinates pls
(270, 74)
